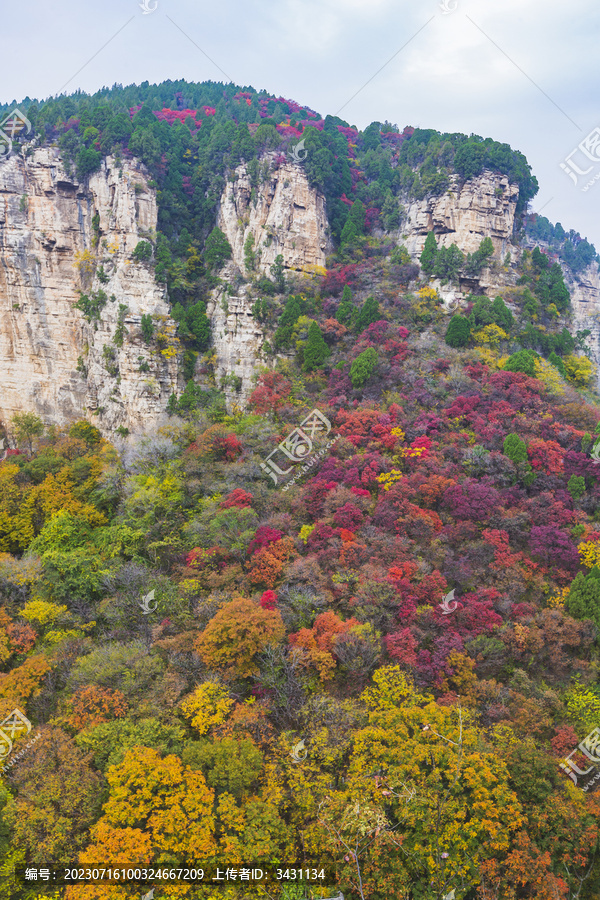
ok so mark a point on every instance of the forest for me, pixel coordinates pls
(376, 659)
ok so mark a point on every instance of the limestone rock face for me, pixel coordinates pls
(237, 339)
(283, 214)
(484, 206)
(57, 238)
(585, 300)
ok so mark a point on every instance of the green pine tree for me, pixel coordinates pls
(502, 314)
(349, 233)
(522, 361)
(429, 254)
(316, 350)
(368, 314)
(363, 367)
(217, 250)
(459, 332)
(515, 448)
(557, 363)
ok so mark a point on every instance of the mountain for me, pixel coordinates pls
(108, 209)
(299, 545)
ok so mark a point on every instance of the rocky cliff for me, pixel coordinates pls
(237, 339)
(469, 211)
(486, 207)
(585, 300)
(280, 213)
(57, 238)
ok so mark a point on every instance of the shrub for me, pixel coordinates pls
(147, 326)
(522, 361)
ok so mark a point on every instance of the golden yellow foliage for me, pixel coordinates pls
(207, 706)
(427, 293)
(579, 369)
(589, 553)
(550, 376)
(557, 600)
(491, 334)
(42, 612)
(387, 479)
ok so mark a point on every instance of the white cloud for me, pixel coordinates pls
(450, 77)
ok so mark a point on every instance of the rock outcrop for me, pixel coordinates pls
(585, 300)
(282, 214)
(469, 211)
(57, 238)
(237, 338)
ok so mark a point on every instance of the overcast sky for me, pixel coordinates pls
(521, 71)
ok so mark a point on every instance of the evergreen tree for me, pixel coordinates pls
(583, 600)
(502, 314)
(557, 363)
(459, 332)
(217, 250)
(390, 212)
(429, 254)
(346, 313)
(448, 263)
(199, 324)
(277, 272)
(349, 233)
(368, 314)
(363, 367)
(357, 216)
(576, 486)
(287, 320)
(316, 350)
(515, 448)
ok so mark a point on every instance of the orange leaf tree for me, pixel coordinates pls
(239, 631)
